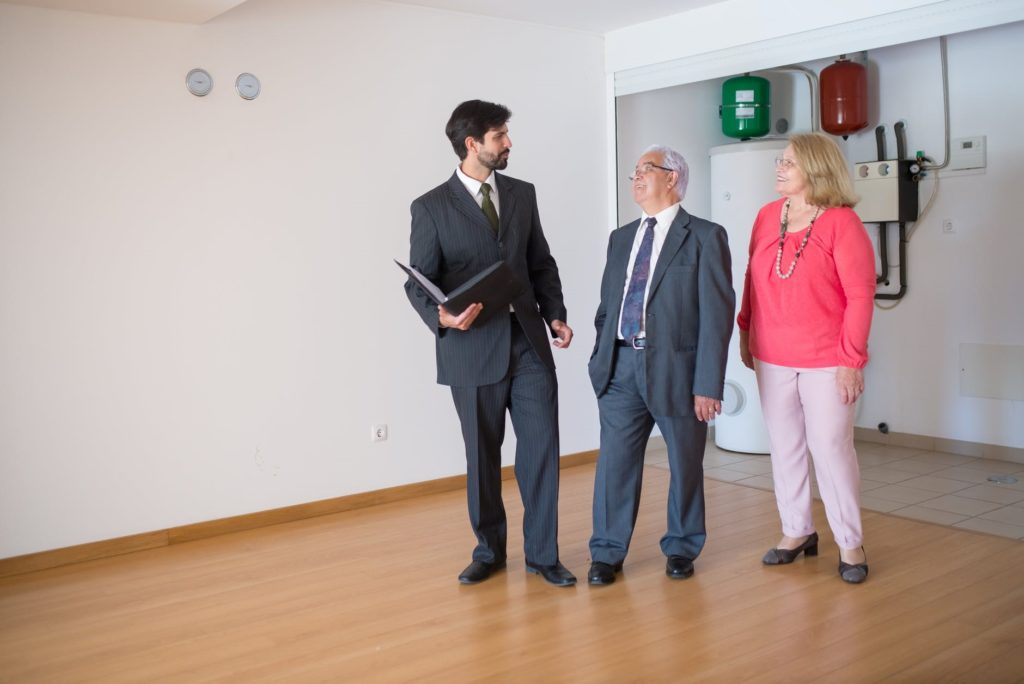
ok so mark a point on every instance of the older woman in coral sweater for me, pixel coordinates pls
(804, 323)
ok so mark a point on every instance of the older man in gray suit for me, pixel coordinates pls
(663, 328)
(503, 362)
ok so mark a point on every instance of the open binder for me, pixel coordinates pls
(495, 287)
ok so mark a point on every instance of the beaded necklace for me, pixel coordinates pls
(782, 240)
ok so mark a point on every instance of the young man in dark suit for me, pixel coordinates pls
(663, 328)
(459, 228)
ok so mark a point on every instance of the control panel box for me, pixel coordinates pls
(887, 190)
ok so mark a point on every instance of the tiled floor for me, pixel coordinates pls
(937, 487)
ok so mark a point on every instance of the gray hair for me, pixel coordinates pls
(675, 161)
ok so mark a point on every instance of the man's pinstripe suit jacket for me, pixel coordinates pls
(451, 241)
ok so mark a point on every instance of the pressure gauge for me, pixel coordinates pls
(199, 82)
(248, 86)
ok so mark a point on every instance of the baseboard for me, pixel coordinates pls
(107, 548)
(952, 446)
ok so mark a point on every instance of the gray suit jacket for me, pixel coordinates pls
(689, 314)
(451, 241)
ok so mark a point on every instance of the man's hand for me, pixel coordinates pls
(460, 322)
(706, 408)
(564, 333)
(850, 383)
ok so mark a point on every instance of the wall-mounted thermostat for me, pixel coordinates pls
(967, 153)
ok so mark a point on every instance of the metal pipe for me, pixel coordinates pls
(945, 105)
(812, 82)
(903, 267)
(883, 253)
(883, 227)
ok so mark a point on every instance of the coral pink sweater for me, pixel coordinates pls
(821, 315)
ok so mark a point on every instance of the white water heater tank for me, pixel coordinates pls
(742, 181)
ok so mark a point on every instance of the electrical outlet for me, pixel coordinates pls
(947, 226)
(379, 432)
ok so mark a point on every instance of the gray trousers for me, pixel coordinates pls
(626, 424)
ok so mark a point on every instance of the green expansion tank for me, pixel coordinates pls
(746, 107)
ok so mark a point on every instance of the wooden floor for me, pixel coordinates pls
(371, 596)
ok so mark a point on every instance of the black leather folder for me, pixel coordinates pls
(495, 287)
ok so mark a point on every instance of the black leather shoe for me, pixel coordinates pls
(678, 567)
(478, 571)
(785, 556)
(602, 573)
(853, 573)
(555, 574)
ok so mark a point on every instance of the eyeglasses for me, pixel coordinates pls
(646, 169)
(784, 164)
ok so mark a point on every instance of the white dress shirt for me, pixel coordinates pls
(664, 221)
(473, 185)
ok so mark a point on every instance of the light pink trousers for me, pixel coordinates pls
(802, 412)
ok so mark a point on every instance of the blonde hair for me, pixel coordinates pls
(825, 170)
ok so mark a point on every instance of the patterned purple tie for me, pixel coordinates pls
(633, 304)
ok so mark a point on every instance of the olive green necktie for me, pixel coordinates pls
(488, 207)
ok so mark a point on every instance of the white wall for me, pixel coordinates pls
(686, 119)
(683, 118)
(199, 311)
(964, 287)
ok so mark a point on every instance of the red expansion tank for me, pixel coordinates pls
(844, 97)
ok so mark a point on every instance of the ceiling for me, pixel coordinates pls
(595, 16)
(186, 11)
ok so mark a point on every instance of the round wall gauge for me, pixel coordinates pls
(248, 86)
(199, 82)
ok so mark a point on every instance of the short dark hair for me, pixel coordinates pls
(473, 118)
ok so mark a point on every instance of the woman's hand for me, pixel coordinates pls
(850, 382)
(745, 356)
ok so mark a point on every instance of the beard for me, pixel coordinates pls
(494, 162)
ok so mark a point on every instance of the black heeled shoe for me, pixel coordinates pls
(854, 573)
(778, 556)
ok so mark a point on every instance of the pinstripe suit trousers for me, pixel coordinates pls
(529, 392)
